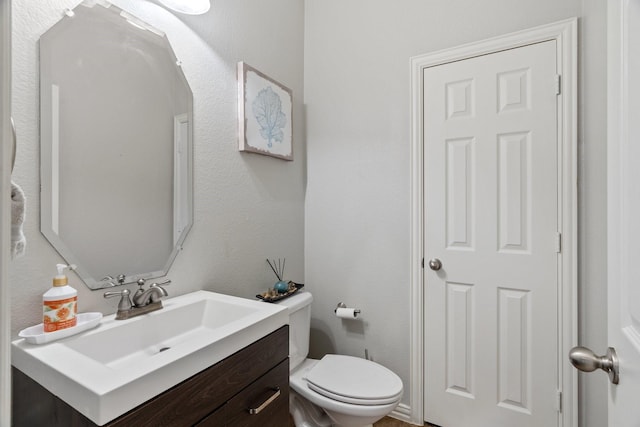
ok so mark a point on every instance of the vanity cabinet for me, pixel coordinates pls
(259, 405)
(249, 388)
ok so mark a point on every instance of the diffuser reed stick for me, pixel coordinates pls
(278, 269)
(273, 268)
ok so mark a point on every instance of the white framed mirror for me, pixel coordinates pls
(116, 116)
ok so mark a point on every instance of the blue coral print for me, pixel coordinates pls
(267, 109)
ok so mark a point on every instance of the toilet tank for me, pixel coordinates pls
(299, 306)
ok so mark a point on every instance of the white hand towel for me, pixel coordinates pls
(18, 201)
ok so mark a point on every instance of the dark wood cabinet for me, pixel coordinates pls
(264, 403)
(220, 396)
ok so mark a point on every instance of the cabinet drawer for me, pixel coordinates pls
(264, 403)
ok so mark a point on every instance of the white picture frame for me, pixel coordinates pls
(265, 109)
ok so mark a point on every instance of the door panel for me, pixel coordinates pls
(624, 209)
(491, 217)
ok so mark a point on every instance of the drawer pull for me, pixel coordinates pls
(274, 396)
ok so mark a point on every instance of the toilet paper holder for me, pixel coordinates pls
(343, 305)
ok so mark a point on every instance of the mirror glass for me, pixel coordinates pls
(116, 145)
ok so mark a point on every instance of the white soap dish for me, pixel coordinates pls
(36, 334)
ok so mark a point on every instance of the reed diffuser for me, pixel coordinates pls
(283, 288)
(278, 269)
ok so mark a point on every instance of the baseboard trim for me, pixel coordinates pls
(402, 413)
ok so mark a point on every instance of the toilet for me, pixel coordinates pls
(339, 391)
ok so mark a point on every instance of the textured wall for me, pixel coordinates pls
(5, 212)
(247, 207)
(357, 98)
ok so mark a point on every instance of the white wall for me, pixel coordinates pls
(358, 194)
(247, 207)
(5, 210)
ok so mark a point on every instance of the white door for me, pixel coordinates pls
(624, 209)
(491, 223)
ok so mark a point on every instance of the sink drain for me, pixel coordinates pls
(163, 349)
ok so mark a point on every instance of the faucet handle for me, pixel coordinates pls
(125, 301)
(155, 297)
(140, 283)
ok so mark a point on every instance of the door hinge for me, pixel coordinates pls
(558, 84)
(558, 242)
(559, 401)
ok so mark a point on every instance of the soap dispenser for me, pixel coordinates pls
(60, 303)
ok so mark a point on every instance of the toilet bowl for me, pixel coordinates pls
(336, 390)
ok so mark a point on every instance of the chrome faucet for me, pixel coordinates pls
(144, 301)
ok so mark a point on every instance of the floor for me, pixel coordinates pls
(385, 422)
(391, 422)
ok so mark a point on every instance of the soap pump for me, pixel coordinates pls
(60, 303)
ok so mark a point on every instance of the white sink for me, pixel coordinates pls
(115, 367)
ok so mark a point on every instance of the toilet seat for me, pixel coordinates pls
(300, 385)
(354, 380)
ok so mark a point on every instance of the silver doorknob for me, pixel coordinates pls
(586, 360)
(435, 264)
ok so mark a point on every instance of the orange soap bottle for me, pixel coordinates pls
(60, 303)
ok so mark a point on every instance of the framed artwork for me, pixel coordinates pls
(264, 114)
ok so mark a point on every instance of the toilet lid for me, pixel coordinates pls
(354, 380)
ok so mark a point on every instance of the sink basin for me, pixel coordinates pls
(178, 330)
(110, 370)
